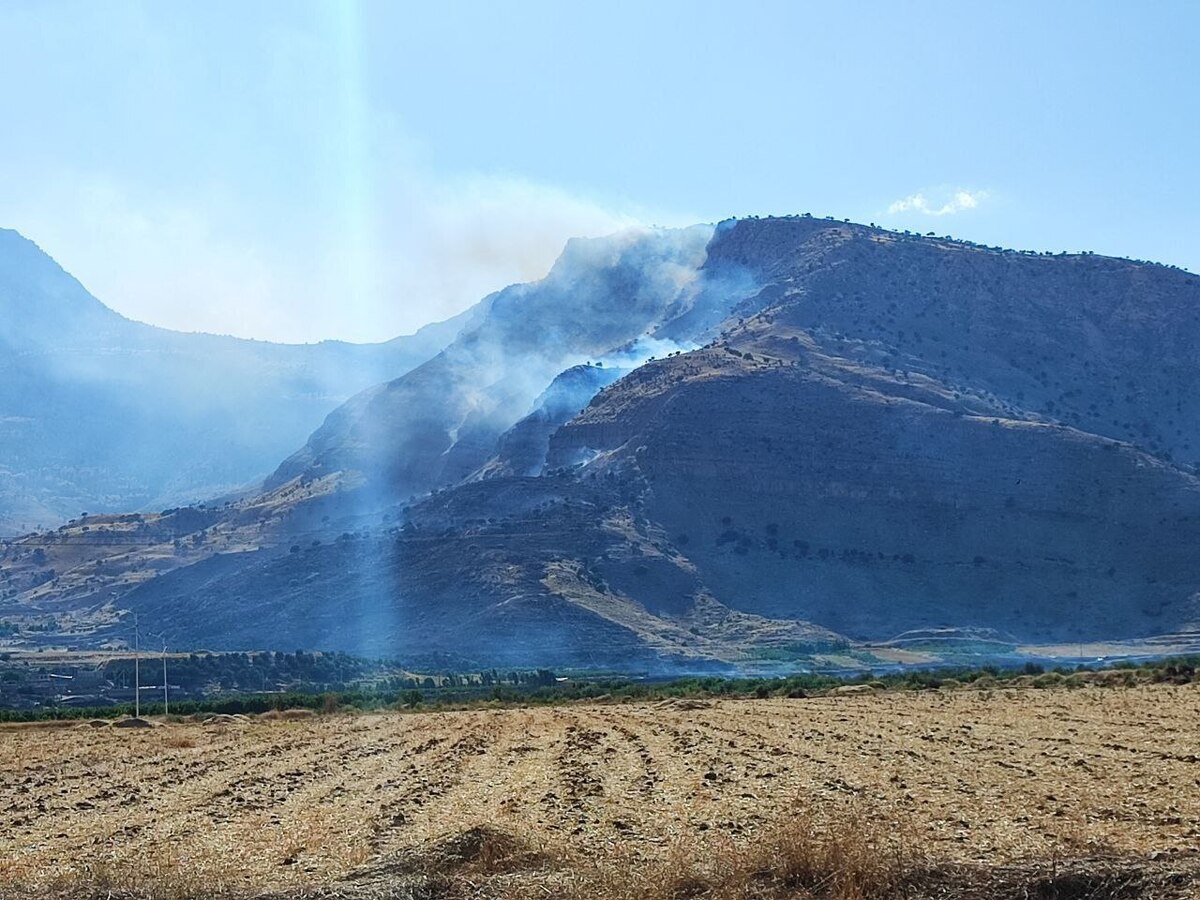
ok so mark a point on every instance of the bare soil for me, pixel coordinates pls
(1011, 785)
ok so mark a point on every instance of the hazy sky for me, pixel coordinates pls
(295, 171)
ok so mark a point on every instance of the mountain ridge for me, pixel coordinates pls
(830, 434)
(100, 412)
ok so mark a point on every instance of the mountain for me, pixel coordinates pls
(849, 435)
(100, 413)
(523, 449)
(437, 424)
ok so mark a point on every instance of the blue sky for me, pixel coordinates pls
(295, 171)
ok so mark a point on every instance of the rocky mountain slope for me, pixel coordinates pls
(851, 434)
(100, 413)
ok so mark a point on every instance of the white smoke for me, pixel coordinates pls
(643, 350)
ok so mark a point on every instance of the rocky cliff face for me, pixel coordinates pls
(871, 512)
(851, 434)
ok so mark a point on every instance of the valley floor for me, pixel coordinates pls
(622, 800)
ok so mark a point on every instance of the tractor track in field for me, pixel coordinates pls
(256, 804)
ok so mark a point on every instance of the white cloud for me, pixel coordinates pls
(944, 203)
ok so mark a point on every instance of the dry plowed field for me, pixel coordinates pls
(981, 780)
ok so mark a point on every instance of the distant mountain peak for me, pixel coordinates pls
(104, 413)
(35, 288)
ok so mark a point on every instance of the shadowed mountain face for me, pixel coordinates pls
(851, 434)
(100, 413)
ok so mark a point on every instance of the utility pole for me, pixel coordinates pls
(137, 677)
(166, 699)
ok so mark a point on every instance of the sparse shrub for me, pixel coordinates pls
(856, 860)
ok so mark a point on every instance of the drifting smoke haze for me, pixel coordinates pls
(107, 414)
(101, 413)
(507, 495)
(366, 357)
(313, 212)
(604, 300)
(645, 349)
(422, 248)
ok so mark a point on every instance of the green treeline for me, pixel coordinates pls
(542, 687)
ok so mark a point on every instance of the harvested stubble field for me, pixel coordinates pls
(1090, 792)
